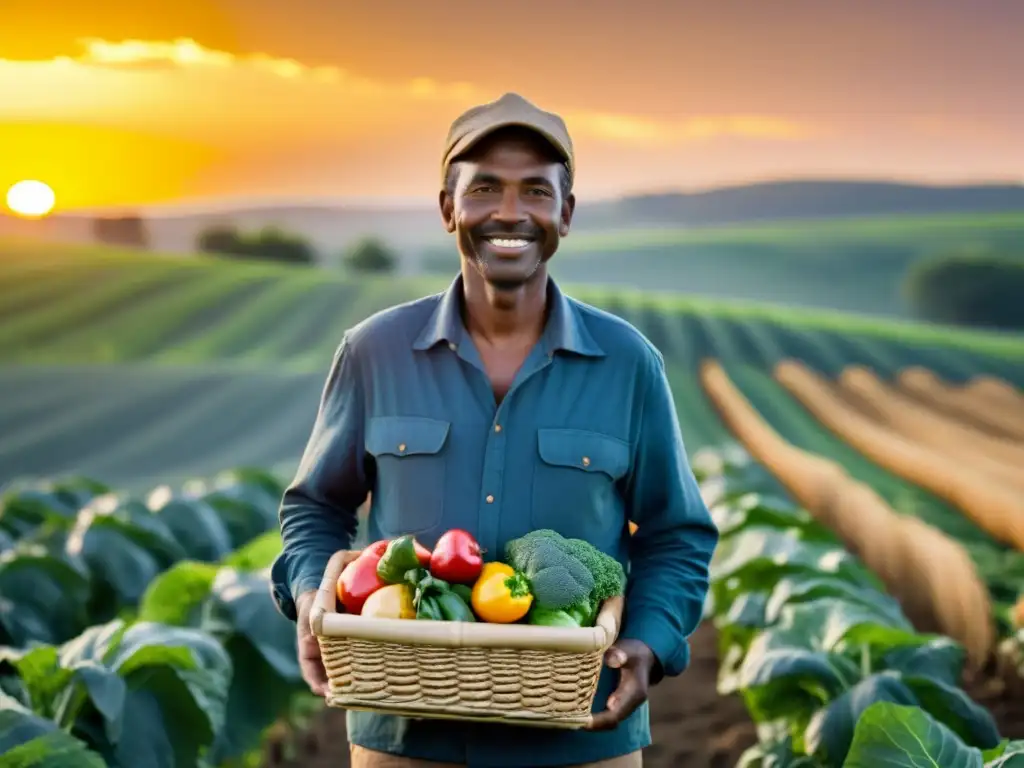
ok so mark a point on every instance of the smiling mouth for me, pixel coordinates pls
(508, 244)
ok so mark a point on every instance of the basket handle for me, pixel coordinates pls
(326, 600)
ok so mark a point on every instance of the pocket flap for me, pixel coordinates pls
(405, 435)
(584, 450)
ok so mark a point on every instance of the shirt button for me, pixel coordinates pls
(452, 346)
(586, 461)
(401, 447)
(490, 499)
(497, 427)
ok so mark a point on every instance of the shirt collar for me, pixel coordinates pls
(565, 328)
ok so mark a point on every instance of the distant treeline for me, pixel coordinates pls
(272, 244)
(979, 289)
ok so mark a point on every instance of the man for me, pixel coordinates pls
(501, 406)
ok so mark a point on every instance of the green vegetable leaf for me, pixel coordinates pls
(258, 554)
(125, 546)
(246, 510)
(1009, 754)
(888, 734)
(30, 741)
(26, 506)
(176, 682)
(236, 608)
(178, 595)
(194, 523)
(801, 588)
(941, 658)
(950, 705)
(760, 558)
(42, 598)
(753, 510)
(831, 729)
(792, 682)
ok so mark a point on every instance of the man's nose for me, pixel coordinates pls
(510, 209)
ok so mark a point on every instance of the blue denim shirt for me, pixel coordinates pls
(585, 440)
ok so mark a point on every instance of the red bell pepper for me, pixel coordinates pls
(359, 580)
(456, 558)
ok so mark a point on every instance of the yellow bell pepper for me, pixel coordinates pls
(391, 602)
(501, 595)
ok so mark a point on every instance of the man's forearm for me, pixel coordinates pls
(318, 511)
(671, 551)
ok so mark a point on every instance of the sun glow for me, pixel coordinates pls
(30, 199)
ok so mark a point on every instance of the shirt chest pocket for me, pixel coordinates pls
(575, 482)
(409, 452)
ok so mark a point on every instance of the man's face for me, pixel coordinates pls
(507, 209)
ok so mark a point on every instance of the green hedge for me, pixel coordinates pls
(973, 289)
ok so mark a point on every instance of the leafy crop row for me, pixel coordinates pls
(828, 666)
(140, 631)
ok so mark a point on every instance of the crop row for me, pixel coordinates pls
(974, 467)
(936, 576)
(189, 310)
(770, 408)
(139, 630)
(830, 669)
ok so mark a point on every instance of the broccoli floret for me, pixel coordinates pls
(557, 580)
(609, 575)
(601, 574)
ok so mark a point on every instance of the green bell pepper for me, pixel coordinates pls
(464, 591)
(399, 558)
(453, 607)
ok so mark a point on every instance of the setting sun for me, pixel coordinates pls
(31, 199)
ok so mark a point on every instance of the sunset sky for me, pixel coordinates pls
(122, 103)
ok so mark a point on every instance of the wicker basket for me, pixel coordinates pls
(510, 673)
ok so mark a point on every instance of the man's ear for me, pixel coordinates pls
(565, 220)
(447, 206)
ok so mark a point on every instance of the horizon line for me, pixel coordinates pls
(215, 204)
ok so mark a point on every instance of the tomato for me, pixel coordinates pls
(456, 558)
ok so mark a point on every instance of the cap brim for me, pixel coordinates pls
(472, 138)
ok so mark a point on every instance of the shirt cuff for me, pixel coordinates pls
(671, 657)
(285, 593)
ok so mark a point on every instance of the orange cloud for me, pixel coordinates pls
(217, 86)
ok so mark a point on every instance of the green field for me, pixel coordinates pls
(852, 265)
(137, 367)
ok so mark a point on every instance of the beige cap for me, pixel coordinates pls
(511, 109)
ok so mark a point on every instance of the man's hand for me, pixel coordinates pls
(635, 660)
(310, 663)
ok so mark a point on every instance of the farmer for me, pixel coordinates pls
(500, 406)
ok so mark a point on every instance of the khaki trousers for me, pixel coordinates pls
(368, 758)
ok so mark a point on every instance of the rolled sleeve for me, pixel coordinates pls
(671, 550)
(318, 510)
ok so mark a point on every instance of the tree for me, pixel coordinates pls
(269, 244)
(981, 289)
(370, 255)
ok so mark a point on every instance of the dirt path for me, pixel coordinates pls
(692, 726)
